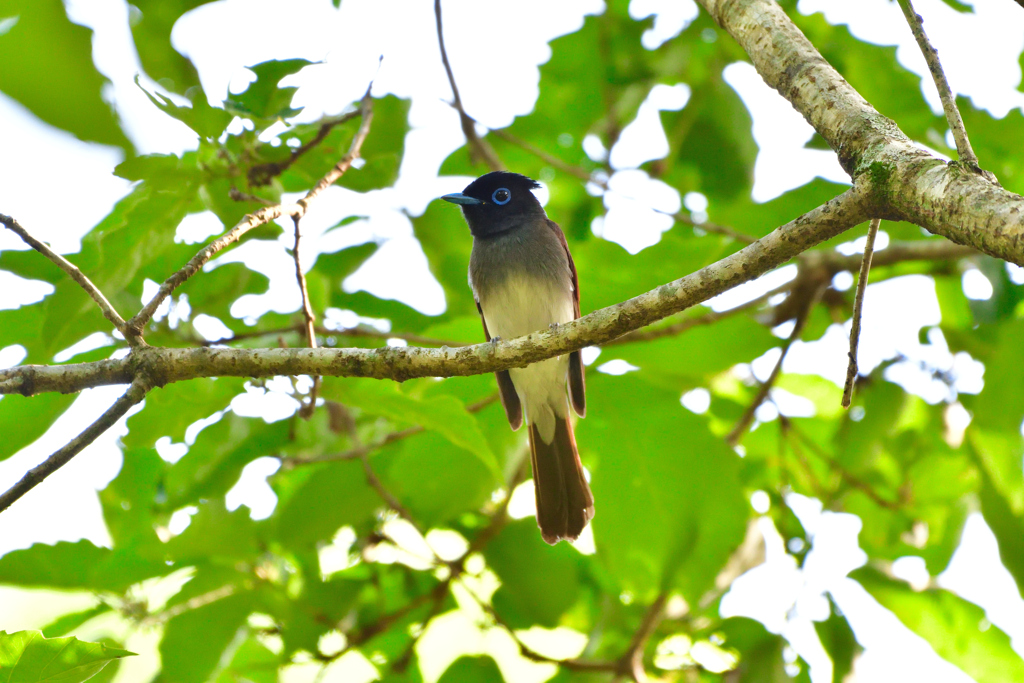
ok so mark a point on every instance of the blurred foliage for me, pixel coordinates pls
(334, 571)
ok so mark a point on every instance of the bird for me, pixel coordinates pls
(524, 280)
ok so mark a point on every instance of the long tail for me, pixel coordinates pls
(564, 501)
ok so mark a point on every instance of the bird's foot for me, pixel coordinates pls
(553, 327)
(495, 340)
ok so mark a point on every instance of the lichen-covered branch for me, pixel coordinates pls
(909, 183)
(165, 365)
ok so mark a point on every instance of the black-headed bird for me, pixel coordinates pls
(524, 280)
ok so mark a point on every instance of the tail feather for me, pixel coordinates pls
(564, 501)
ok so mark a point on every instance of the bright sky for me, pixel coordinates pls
(497, 76)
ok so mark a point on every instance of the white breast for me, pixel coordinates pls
(519, 306)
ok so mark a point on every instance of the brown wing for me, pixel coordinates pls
(506, 390)
(577, 384)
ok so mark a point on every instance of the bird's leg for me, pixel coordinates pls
(495, 340)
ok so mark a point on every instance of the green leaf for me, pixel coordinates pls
(216, 535)
(445, 415)
(541, 595)
(69, 622)
(957, 629)
(252, 663)
(669, 507)
(839, 642)
(215, 461)
(151, 25)
(263, 101)
(209, 122)
(1006, 526)
(436, 481)
(468, 669)
(28, 657)
(49, 69)
(197, 640)
(25, 419)
(319, 500)
(77, 565)
(170, 409)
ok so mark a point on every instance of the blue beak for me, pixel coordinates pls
(459, 198)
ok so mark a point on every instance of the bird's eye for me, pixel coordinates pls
(501, 196)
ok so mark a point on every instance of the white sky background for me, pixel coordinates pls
(497, 76)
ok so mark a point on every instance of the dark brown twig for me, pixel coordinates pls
(362, 450)
(307, 313)
(550, 159)
(262, 173)
(478, 147)
(709, 318)
(858, 309)
(133, 328)
(71, 269)
(136, 392)
(632, 662)
(847, 476)
(737, 432)
(931, 56)
(686, 219)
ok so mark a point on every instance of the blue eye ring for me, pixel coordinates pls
(505, 195)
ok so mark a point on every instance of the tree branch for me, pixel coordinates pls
(858, 308)
(740, 429)
(931, 56)
(134, 327)
(165, 365)
(136, 392)
(262, 173)
(478, 147)
(71, 269)
(910, 183)
(307, 313)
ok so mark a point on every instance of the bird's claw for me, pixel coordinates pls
(495, 340)
(553, 327)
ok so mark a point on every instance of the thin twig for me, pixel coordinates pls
(737, 432)
(136, 392)
(858, 309)
(374, 481)
(262, 173)
(307, 313)
(847, 476)
(364, 449)
(686, 219)
(531, 654)
(133, 328)
(238, 196)
(478, 146)
(550, 159)
(71, 269)
(931, 56)
(632, 662)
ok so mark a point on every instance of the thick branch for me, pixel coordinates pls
(71, 269)
(953, 200)
(931, 56)
(133, 328)
(136, 392)
(165, 365)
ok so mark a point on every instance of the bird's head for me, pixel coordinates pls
(498, 202)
